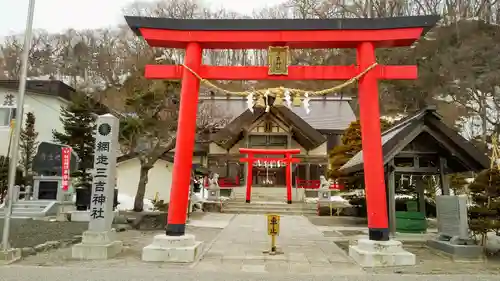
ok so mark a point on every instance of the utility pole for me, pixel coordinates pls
(14, 153)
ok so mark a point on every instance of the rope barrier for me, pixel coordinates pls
(279, 91)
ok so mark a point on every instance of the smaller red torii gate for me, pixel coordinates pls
(288, 160)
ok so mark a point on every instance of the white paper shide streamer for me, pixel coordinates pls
(266, 98)
(305, 102)
(250, 103)
(288, 98)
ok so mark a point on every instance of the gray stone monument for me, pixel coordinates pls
(214, 188)
(324, 193)
(453, 229)
(99, 242)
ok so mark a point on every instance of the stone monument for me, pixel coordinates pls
(48, 165)
(453, 229)
(99, 242)
(213, 188)
(47, 161)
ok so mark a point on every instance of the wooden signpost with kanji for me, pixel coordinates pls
(273, 230)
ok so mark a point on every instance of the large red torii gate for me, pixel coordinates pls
(365, 35)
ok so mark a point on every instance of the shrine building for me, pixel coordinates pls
(314, 133)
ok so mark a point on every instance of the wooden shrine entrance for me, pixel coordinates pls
(287, 160)
(278, 35)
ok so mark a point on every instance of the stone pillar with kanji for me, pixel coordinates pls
(99, 241)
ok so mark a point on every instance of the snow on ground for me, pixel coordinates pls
(126, 203)
(393, 118)
(334, 199)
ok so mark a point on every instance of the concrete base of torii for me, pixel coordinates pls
(97, 246)
(370, 253)
(165, 248)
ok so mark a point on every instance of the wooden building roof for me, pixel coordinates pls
(46, 87)
(426, 126)
(305, 134)
(327, 113)
(200, 149)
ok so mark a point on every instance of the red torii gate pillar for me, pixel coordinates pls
(288, 160)
(184, 144)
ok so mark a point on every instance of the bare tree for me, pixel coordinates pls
(149, 125)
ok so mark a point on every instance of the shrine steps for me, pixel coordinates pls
(263, 193)
(275, 207)
(32, 209)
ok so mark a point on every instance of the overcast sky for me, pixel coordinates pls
(58, 15)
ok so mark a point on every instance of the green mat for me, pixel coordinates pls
(411, 222)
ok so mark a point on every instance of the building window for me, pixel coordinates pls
(272, 140)
(277, 140)
(7, 114)
(258, 140)
(269, 126)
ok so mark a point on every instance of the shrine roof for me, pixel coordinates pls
(462, 155)
(305, 135)
(328, 113)
(425, 22)
(199, 150)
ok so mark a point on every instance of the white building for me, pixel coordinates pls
(43, 98)
(159, 177)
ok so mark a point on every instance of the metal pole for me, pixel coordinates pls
(18, 124)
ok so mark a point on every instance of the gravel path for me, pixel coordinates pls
(133, 242)
(341, 230)
(432, 262)
(430, 266)
(127, 273)
(337, 221)
(29, 233)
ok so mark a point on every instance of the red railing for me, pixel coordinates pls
(314, 184)
(225, 182)
(229, 182)
(307, 184)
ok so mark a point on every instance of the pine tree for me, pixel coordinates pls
(458, 182)
(351, 144)
(484, 215)
(78, 120)
(4, 177)
(341, 154)
(28, 146)
(4, 173)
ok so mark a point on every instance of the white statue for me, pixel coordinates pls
(324, 183)
(213, 188)
(213, 183)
